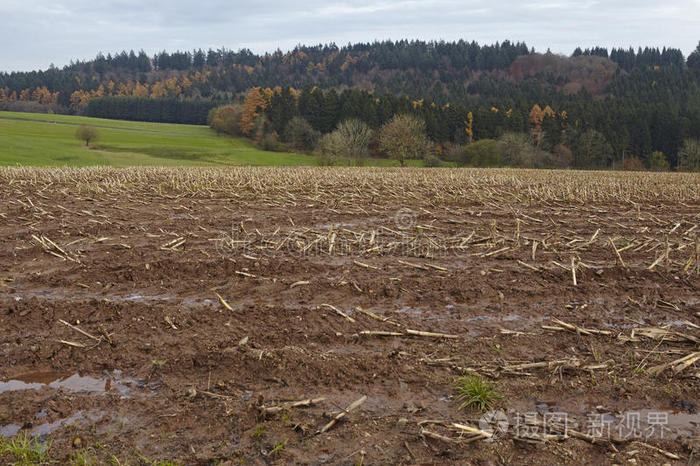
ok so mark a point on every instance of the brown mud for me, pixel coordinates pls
(153, 315)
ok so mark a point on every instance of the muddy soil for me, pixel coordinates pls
(148, 322)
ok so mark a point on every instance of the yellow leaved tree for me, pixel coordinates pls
(469, 126)
(536, 117)
(255, 102)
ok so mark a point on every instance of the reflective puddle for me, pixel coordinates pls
(47, 428)
(641, 424)
(112, 383)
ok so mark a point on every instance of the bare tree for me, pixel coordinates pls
(356, 137)
(350, 140)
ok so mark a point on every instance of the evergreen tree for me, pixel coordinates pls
(694, 59)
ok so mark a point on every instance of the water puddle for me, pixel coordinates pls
(63, 295)
(640, 424)
(47, 428)
(477, 324)
(429, 312)
(140, 298)
(680, 424)
(677, 323)
(411, 311)
(10, 430)
(347, 350)
(112, 383)
(644, 424)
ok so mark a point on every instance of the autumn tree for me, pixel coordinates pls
(254, 103)
(140, 90)
(87, 133)
(226, 120)
(158, 90)
(469, 126)
(44, 96)
(79, 100)
(403, 137)
(536, 117)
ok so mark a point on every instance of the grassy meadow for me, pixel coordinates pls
(47, 140)
(189, 130)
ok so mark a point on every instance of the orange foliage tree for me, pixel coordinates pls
(254, 103)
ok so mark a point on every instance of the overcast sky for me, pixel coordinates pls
(36, 33)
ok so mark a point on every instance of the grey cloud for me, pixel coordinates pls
(35, 33)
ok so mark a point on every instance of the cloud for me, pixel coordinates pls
(36, 33)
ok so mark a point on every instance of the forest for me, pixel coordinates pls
(499, 104)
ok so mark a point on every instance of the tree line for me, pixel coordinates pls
(398, 67)
(568, 132)
(193, 112)
(438, 71)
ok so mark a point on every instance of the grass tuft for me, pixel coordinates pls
(259, 431)
(25, 450)
(279, 447)
(475, 392)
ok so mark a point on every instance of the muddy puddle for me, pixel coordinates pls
(62, 294)
(639, 424)
(48, 428)
(447, 312)
(113, 383)
(405, 403)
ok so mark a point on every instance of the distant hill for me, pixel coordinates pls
(435, 71)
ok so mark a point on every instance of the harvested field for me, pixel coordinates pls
(320, 316)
